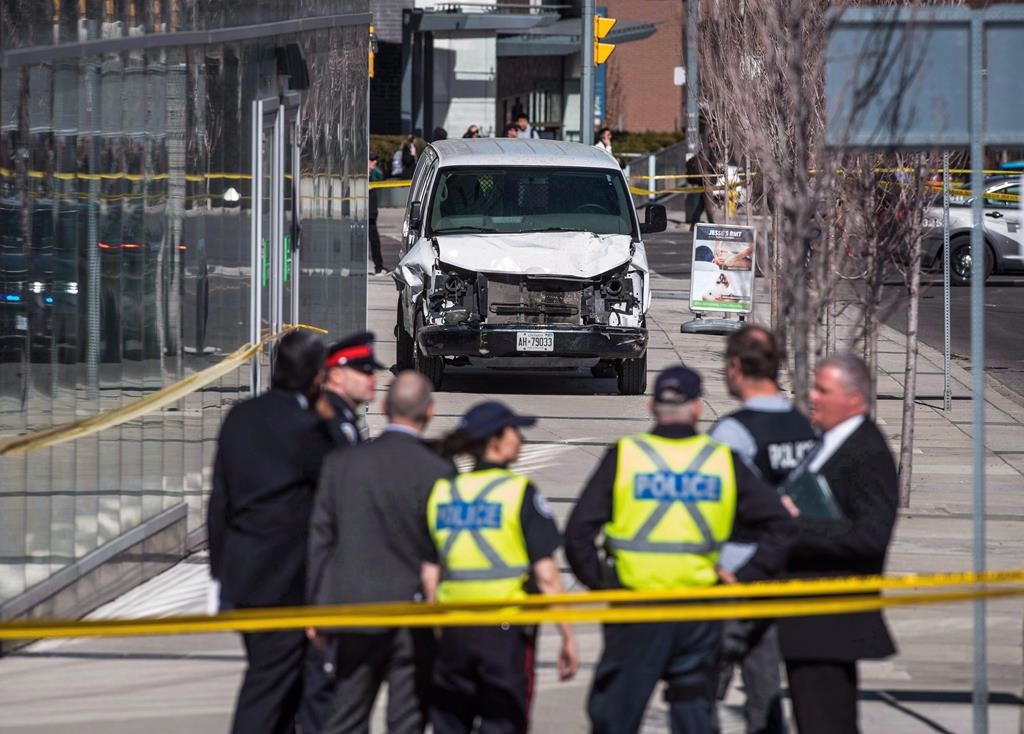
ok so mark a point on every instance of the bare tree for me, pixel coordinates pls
(766, 96)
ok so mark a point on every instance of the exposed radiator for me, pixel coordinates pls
(517, 300)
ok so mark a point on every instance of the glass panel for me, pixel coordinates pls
(125, 252)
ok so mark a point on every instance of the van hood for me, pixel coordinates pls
(566, 254)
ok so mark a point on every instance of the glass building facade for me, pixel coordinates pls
(177, 179)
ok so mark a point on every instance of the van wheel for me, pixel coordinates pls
(431, 367)
(960, 262)
(404, 347)
(632, 374)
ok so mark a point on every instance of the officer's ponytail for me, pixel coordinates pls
(460, 443)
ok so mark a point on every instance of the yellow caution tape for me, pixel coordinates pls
(992, 195)
(400, 184)
(673, 177)
(64, 432)
(681, 608)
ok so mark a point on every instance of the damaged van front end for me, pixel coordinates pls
(526, 288)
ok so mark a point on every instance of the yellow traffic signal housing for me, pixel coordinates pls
(373, 50)
(602, 26)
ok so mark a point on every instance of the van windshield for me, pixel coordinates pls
(529, 199)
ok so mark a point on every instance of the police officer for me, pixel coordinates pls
(349, 384)
(666, 501)
(495, 540)
(773, 437)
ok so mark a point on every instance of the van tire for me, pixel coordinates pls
(632, 374)
(430, 367)
(404, 357)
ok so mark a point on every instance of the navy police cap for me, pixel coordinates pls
(677, 385)
(487, 419)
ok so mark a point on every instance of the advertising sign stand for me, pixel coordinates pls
(721, 278)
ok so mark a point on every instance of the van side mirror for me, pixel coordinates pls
(415, 216)
(655, 219)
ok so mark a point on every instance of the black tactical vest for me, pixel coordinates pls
(783, 440)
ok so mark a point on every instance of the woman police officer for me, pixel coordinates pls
(491, 529)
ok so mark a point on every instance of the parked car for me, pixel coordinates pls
(1004, 238)
(524, 254)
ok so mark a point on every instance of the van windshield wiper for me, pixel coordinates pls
(553, 229)
(464, 228)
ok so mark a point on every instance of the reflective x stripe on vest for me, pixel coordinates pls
(499, 569)
(641, 542)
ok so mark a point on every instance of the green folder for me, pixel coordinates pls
(812, 495)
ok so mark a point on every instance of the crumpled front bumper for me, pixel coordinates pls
(477, 340)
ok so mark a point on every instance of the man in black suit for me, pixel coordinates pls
(821, 653)
(268, 459)
(367, 537)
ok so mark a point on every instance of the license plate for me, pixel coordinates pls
(535, 341)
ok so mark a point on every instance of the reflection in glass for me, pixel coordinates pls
(125, 245)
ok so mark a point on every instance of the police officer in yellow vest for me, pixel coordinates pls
(495, 539)
(665, 502)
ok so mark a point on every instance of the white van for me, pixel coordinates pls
(523, 254)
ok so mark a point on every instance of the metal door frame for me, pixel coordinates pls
(272, 114)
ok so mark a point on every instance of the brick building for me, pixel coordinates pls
(640, 90)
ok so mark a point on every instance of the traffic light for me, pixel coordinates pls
(602, 51)
(373, 50)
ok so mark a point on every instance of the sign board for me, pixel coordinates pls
(722, 269)
(679, 76)
(900, 77)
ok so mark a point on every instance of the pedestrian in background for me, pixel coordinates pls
(495, 540)
(772, 437)
(350, 383)
(665, 502)
(821, 653)
(472, 132)
(369, 514)
(269, 453)
(700, 170)
(511, 130)
(439, 134)
(604, 140)
(408, 156)
(374, 174)
(525, 129)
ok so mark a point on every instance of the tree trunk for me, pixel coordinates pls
(910, 376)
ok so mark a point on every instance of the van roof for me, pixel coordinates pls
(515, 152)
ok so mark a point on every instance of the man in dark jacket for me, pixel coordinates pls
(268, 459)
(821, 653)
(349, 383)
(366, 541)
(374, 174)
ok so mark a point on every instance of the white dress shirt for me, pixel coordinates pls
(833, 439)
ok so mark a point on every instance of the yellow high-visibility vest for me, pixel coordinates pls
(673, 506)
(475, 523)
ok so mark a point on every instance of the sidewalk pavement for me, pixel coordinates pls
(189, 683)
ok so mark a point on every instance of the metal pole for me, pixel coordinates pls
(947, 388)
(652, 167)
(587, 75)
(979, 697)
(692, 115)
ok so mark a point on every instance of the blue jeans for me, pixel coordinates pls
(637, 656)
